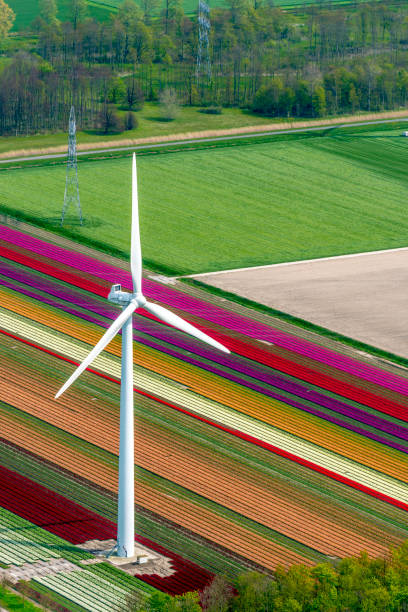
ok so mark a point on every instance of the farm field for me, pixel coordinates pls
(190, 6)
(294, 197)
(75, 585)
(27, 10)
(362, 297)
(288, 450)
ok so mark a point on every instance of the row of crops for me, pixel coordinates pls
(75, 524)
(96, 588)
(285, 451)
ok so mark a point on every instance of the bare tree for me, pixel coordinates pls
(217, 595)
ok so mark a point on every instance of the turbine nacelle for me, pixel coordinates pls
(123, 298)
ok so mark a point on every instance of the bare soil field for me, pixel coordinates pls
(362, 296)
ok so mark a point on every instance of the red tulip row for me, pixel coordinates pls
(307, 370)
(77, 524)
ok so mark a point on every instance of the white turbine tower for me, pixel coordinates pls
(131, 302)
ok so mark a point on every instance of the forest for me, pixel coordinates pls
(353, 584)
(313, 62)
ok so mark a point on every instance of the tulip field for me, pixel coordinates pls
(95, 587)
(292, 449)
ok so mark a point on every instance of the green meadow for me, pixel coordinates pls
(27, 10)
(293, 197)
(150, 125)
(191, 5)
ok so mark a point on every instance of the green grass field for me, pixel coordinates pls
(150, 125)
(191, 5)
(295, 197)
(27, 10)
(12, 601)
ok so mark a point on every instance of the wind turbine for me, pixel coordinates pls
(131, 302)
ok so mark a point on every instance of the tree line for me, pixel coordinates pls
(320, 61)
(354, 584)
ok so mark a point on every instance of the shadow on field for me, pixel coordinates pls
(159, 119)
(365, 136)
(72, 221)
(10, 543)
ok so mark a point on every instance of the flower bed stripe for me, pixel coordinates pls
(243, 436)
(166, 335)
(76, 524)
(254, 353)
(212, 312)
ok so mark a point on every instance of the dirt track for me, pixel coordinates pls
(204, 134)
(364, 297)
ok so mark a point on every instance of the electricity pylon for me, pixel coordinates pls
(71, 195)
(203, 68)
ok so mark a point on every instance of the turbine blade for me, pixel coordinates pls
(135, 248)
(174, 320)
(98, 348)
